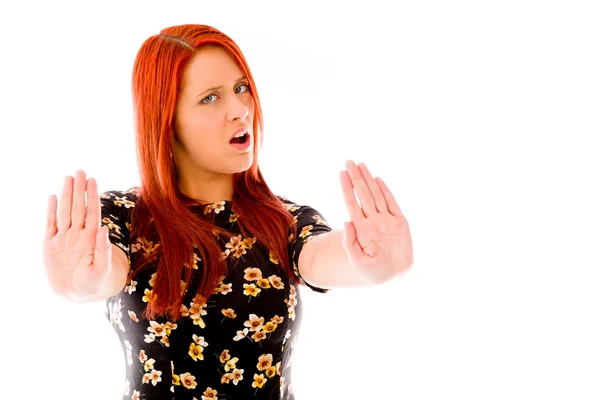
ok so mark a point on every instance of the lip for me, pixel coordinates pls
(240, 130)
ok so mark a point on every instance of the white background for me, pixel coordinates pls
(483, 118)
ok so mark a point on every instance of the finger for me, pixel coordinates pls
(350, 242)
(78, 207)
(64, 210)
(51, 218)
(354, 210)
(378, 198)
(92, 221)
(362, 190)
(392, 205)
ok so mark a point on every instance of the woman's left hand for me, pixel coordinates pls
(377, 239)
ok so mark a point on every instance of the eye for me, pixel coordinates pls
(245, 87)
(208, 97)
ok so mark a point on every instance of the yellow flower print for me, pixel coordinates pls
(147, 245)
(195, 352)
(259, 381)
(156, 328)
(123, 201)
(277, 319)
(129, 353)
(254, 323)
(216, 207)
(224, 289)
(111, 225)
(251, 290)
(224, 357)
(278, 368)
(176, 380)
(165, 340)
(273, 258)
(234, 242)
(133, 316)
(291, 207)
(199, 340)
(241, 334)
(169, 326)
(264, 283)
(143, 357)
(135, 395)
(319, 220)
(239, 252)
(130, 288)
(258, 336)
(270, 372)
(148, 296)
(264, 362)
(152, 280)
(226, 378)
(248, 243)
(306, 231)
(252, 274)
(233, 217)
(185, 312)
(231, 364)
(276, 282)
(238, 375)
(229, 313)
(269, 327)
(149, 338)
(152, 376)
(209, 394)
(149, 364)
(199, 299)
(188, 380)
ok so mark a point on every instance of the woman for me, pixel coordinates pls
(200, 263)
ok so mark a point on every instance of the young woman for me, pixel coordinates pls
(200, 263)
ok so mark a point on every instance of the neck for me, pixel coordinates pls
(209, 188)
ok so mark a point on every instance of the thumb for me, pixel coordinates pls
(350, 242)
(103, 248)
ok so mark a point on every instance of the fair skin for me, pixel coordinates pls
(205, 121)
(82, 265)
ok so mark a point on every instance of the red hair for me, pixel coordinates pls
(162, 211)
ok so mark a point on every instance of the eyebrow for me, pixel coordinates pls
(243, 78)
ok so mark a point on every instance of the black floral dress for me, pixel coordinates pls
(237, 344)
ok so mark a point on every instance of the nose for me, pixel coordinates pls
(237, 109)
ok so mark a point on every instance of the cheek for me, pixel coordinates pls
(249, 105)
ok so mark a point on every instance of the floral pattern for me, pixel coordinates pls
(238, 343)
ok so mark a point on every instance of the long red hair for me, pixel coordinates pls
(162, 211)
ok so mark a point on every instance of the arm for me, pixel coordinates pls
(373, 248)
(116, 280)
(324, 263)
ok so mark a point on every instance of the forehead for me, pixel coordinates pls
(211, 66)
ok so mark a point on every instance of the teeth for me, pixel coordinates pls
(240, 135)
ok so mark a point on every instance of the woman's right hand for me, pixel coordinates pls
(76, 249)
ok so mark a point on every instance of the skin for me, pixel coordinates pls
(375, 245)
(206, 119)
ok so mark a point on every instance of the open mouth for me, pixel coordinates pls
(240, 140)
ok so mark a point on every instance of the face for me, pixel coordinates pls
(213, 104)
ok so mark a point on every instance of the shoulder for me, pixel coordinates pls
(120, 198)
(303, 213)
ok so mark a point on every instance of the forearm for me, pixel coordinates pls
(115, 282)
(327, 264)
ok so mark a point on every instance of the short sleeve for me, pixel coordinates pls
(115, 211)
(309, 224)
